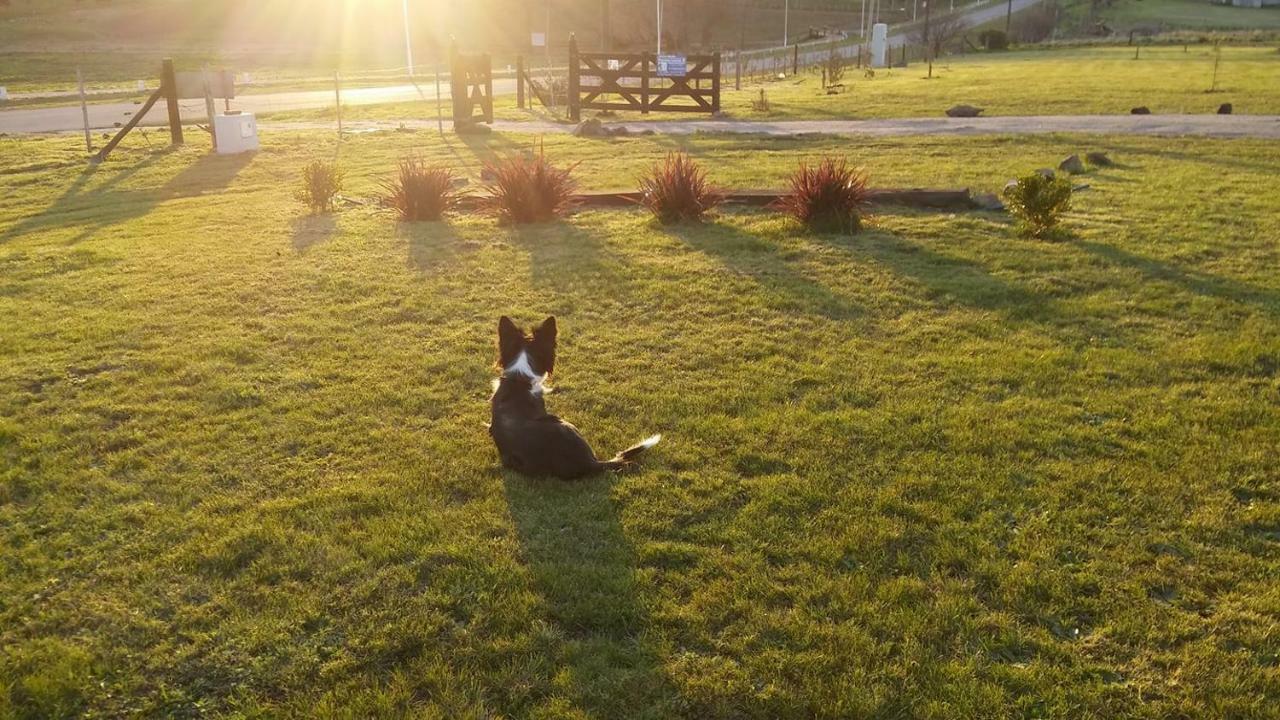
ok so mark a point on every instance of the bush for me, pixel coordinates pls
(421, 191)
(528, 189)
(993, 40)
(762, 104)
(828, 197)
(321, 183)
(677, 190)
(1038, 202)
(834, 67)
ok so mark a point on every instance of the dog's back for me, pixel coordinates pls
(530, 440)
(533, 442)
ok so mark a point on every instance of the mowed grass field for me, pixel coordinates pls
(933, 470)
(1074, 81)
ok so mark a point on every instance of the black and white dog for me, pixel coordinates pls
(531, 441)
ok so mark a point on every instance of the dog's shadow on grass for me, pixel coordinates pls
(572, 542)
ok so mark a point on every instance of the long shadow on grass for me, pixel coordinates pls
(311, 230)
(567, 258)
(572, 541)
(1203, 157)
(75, 201)
(950, 280)
(765, 263)
(102, 207)
(1193, 280)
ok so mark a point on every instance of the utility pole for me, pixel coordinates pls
(786, 23)
(605, 30)
(408, 44)
(928, 39)
(659, 3)
(1008, 18)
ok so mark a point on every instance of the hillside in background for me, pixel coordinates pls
(373, 29)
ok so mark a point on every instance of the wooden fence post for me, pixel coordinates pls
(455, 84)
(488, 87)
(575, 109)
(169, 82)
(84, 112)
(209, 108)
(337, 100)
(795, 60)
(520, 81)
(647, 65)
(715, 84)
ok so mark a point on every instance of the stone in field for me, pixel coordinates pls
(591, 127)
(964, 111)
(1072, 164)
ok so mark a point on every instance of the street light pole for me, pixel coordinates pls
(1008, 18)
(408, 44)
(786, 24)
(659, 3)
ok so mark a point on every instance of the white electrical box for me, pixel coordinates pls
(235, 133)
(879, 44)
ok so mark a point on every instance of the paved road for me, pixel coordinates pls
(1217, 126)
(107, 115)
(900, 35)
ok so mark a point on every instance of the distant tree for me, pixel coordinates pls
(941, 31)
(1036, 24)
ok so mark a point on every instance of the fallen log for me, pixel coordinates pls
(912, 197)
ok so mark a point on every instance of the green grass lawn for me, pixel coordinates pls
(932, 471)
(1076, 81)
(1121, 15)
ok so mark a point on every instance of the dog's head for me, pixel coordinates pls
(532, 355)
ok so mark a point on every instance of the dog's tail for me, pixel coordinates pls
(624, 458)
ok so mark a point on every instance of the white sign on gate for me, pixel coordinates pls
(672, 66)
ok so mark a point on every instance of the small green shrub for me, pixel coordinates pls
(993, 40)
(321, 183)
(761, 104)
(421, 192)
(1038, 202)
(828, 197)
(677, 190)
(528, 189)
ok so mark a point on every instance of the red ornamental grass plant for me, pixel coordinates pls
(528, 189)
(677, 190)
(421, 191)
(828, 197)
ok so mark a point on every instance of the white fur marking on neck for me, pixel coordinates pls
(522, 367)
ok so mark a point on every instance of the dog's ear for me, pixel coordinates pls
(546, 330)
(544, 344)
(510, 340)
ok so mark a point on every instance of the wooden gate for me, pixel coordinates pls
(633, 81)
(471, 85)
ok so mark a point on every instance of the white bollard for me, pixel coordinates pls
(142, 85)
(879, 44)
(4, 93)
